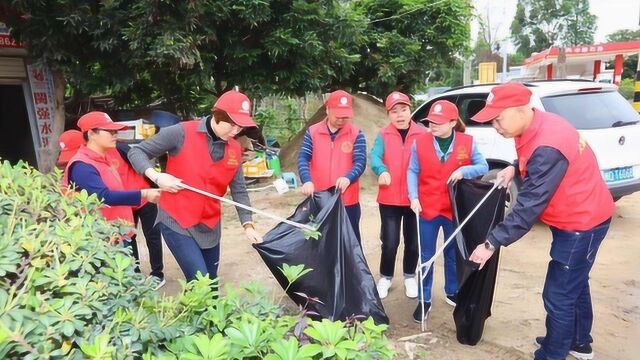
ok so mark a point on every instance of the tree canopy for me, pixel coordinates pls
(406, 39)
(540, 24)
(187, 52)
(630, 62)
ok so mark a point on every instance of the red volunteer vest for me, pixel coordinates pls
(109, 176)
(333, 159)
(131, 180)
(193, 164)
(433, 192)
(582, 200)
(396, 158)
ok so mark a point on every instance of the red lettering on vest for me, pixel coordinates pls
(396, 158)
(433, 191)
(333, 159)
(193, 164)
(582, 200)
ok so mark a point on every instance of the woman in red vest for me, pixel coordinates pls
(389, 161)
(70, 141)
(92, 169)
(203, 154)
(444, 155)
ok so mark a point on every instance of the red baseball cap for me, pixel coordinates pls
(70, 141)
(340, 103)
(443, 111)
(502, 97)
(395, 98)
(98, 120)
(238, 106)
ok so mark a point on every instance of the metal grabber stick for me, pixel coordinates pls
(427, 265)
(257, 211)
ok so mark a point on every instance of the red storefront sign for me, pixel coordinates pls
(6, 41)
(41, 83)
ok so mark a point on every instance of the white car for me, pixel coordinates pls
(602, 116)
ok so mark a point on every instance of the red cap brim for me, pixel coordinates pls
(112, 126)
(438, 119)
(487, 114)
(242, 120)
(342, 112)
(66, 155)
(396, 102)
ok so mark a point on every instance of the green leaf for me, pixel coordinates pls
(293, 273)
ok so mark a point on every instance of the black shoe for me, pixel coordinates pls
(417, 314)
(452, 300)
(539, 340)
(580, 352)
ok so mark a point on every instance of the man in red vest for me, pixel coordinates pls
(563, 187)
(334, 153)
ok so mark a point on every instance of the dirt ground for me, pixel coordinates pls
(518, 313)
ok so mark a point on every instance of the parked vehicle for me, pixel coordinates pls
(602, 116)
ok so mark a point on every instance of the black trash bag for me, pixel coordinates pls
(476, 287)
(340, 279)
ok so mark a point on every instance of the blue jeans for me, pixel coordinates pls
(566, 294)
(428, 239)
(190, 257)
(353, 213)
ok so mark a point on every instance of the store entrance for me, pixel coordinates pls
(16, 141)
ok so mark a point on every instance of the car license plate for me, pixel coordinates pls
(618, 174)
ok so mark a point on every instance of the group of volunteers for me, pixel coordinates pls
(414, 161)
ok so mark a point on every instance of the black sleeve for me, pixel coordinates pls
(545, 170)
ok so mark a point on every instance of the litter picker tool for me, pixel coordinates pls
(424, 268)
(420, 277)
(257, 211)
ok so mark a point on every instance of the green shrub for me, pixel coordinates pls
(66, 293)
(626, 88)
(282, 121)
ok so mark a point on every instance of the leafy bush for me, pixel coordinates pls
(66, 293)
(281, 120)
(626, 88)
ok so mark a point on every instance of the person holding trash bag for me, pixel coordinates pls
(562, 186)
(334, 153)
(92, 169)
(444, 155)
(203, 154)
(389, 161)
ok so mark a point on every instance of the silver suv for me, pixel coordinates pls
(602, 116)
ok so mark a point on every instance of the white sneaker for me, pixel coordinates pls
(158, 282)
(411, 288)
(383, 287)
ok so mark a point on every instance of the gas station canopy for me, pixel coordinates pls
(585, 61)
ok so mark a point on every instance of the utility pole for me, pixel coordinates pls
(466, 74)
